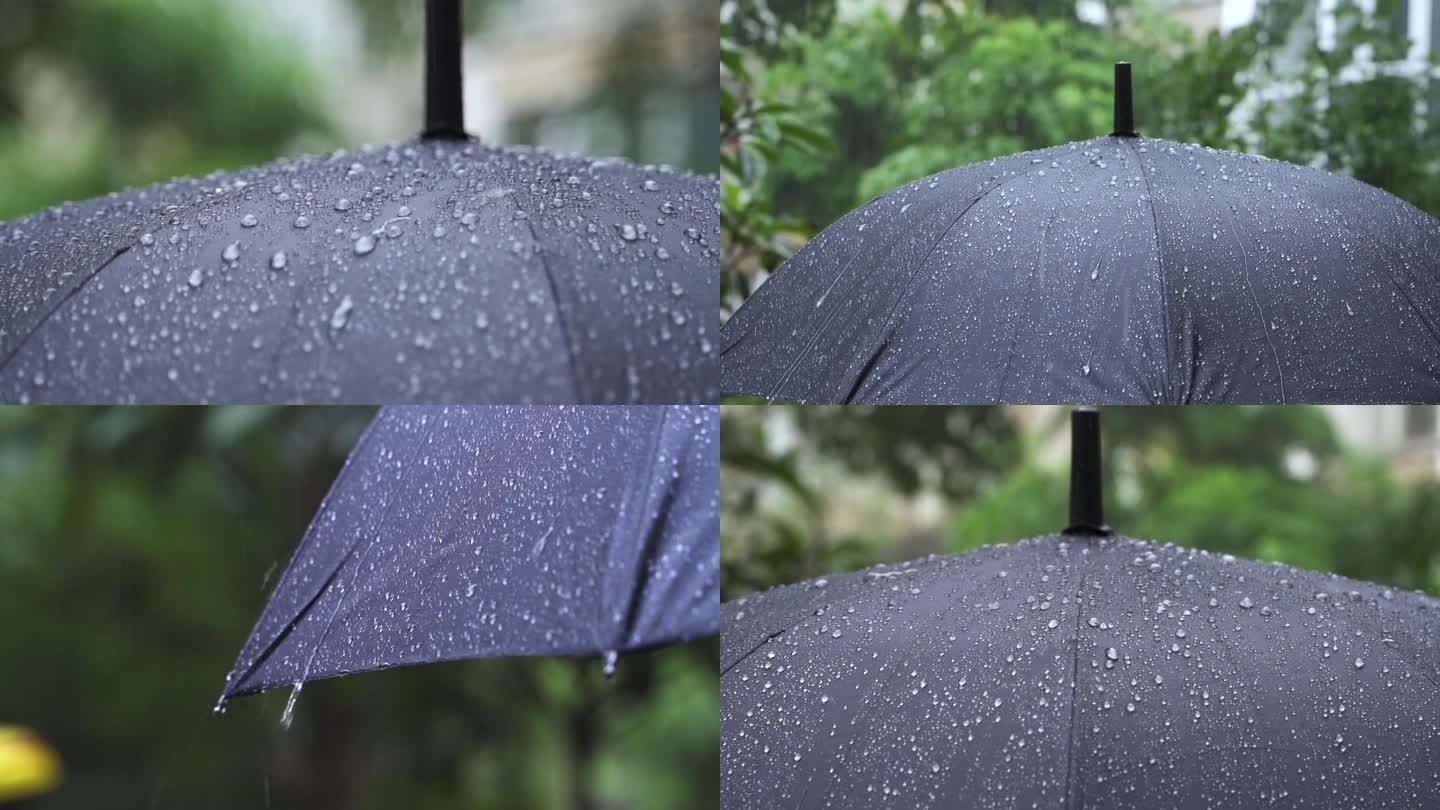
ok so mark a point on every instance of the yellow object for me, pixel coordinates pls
(27, 765)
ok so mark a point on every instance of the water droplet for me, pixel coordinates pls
(1112, 654)
(231, 253)
(249, 221)
(364, 245)
(342, 204)
(1246, 603)
(341, 316)
(610, 657)
(627, 232)
(277, 262)
(147, 239)
(651, 185)
(196, 277)
(1360, 663)
(302, 222)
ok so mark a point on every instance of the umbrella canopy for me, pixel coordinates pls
(1081, 670)
(462, 532)
(432, 270)
(1119, 269)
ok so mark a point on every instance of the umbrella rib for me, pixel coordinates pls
(305, 541)
(1014, 321)
(782, 631)
(916, 268)
(389, 504)
(1160, 271)
(379, 528)
(286, 630)
(652, 537)
(1385, 247)
(559, 310)
(1250, 285)
(63, 300)
(1072, 765)
(1345, 222)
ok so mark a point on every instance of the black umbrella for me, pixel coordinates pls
(1119, 269)
(1081, 670)
(437, 270)
(463, 532)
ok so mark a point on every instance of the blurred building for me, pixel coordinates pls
(1409, 435)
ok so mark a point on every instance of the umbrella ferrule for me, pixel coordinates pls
(1124, 104)
(444, 83)
(1087, 502)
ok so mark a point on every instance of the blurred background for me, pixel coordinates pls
(99, 95)
(828, 103)
(811, 490)
(137, 548)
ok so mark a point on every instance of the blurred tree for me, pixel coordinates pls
(174, 88)
(956, 452)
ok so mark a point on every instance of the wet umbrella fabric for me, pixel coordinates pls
(462, 532)
(1119, 269)
(428, 270)
(1081, 672)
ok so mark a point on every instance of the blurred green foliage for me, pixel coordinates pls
(1268, 482)
(883, 94)
(101, 95)
(137, 548)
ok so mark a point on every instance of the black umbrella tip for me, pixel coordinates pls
(1087, 501)
(1124, 104)
(444, 80)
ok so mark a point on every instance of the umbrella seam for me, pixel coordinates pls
(389, 504)
(647, 548)
(1315, 177)
(305, 541)
(1070, 763)
(62, 302)
(841, 601)
(1430, 327)
(1160, 275)
(890, 316)
(1235, 229)
(1014, 321)
(559, 310)
(379, 528)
